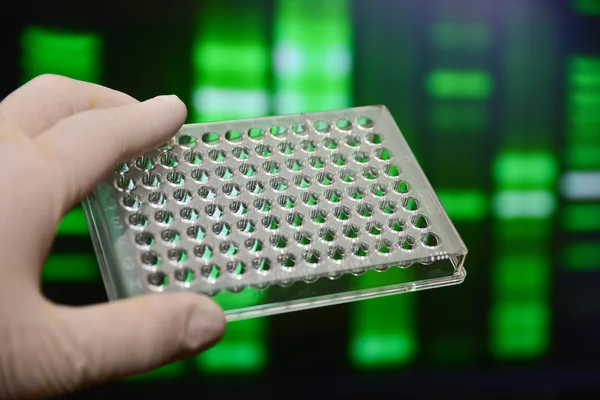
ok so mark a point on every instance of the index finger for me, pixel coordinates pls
(85, 147)
(46, 99)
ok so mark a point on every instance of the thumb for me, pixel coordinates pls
(136, 335)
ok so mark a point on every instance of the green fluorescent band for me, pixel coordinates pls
(584, 103)
(525, 170)
(520, 316)
(332, 27)
(383, 332)
(232, 356)
(581, 217)
(521, 282)
(230, 70)
(582, 150)
(243, 349)
(526, 231)
(459, 84)
(586, 7)
(464, 205)
(581, 256)
(214, 59)
(583, 156)
(586, 80)
(458, 118)
(167, 372)
(76, 55)
(312, 67)
(524, 204)
(523, 274)
(520, 329)
(580, 110)
(586, 66)
(581, 185)
(73, 223)
(72, 267)
(218, 104)
(582, 126)
(448, 34)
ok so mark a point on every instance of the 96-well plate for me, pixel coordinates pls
(275, 202)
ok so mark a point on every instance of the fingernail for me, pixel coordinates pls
(165, 97)
(172, 102)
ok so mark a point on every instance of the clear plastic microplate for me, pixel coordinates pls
(276, 214)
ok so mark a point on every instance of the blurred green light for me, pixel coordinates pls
(167, 372)
(585, 65)
(76, 55)
(382, 350)
(383, 332)
(584, 72)
(585, 102)
(459, 84)
(583, 119)
(581, 185)
(581, 217)
(234, 357)
(464, 205)
(581, 255)
(230, 70)
(521, 274)
(449, 34)
(520, 329)
(73, 223)
(72, 267)
(312, 66)
(242, 349)
(582, 156)
(525, 170)
(522, 230)
(585, 80)
(458, 118)
(521, 282)
(524, 204)
(213, 60)
(581, 110)
(583, 127)
(586, 7)
(219, 104)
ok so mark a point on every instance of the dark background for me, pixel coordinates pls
(500, 101)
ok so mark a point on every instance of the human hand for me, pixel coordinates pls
(58, 138)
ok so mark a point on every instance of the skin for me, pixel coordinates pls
(58, 138)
